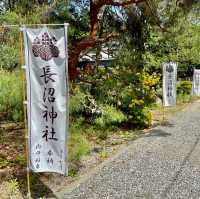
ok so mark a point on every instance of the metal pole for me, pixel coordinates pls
(25, 116)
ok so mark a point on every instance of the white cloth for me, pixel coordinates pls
(169, 83)
(47, 97)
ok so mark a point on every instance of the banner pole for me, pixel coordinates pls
(18, 25)
(163, 104)
(163, 108)
(25, 116)
(163, 113)
(67, 84)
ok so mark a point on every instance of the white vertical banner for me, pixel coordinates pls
(196, 83)
(169, 83)
(47, 98)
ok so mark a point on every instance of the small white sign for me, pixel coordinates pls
(196, 83)
(169, 84)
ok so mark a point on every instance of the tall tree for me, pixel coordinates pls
(96, 9)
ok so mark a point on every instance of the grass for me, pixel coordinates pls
(10, 189)
(78, 147)
(11, 96)
(12, 146)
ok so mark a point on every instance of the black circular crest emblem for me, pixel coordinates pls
(45, 47)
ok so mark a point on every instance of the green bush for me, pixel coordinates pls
(110, 116)
(184, 87)
(9, 57)
(76, 100)
(9, 41)
(83, 104)
(139, 116)
(184, 98)
(11, 96)
(10, 18)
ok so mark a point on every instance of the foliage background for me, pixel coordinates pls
(107, 99)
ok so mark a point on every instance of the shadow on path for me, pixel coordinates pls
(163, 123)
(38, 188)
(167, 124)
(158, 132)
(178, 173)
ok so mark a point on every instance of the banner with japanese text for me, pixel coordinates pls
(196, 83)
(47, 98)
(169, 84)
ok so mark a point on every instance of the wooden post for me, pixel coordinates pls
(25, 114)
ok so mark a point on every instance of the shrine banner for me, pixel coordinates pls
(47, 98)
(169, 84)
(196, 83)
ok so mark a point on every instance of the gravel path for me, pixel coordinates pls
(163, 164)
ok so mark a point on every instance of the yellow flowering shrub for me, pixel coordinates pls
(150, 85)
(136, 102)
(151, 80)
